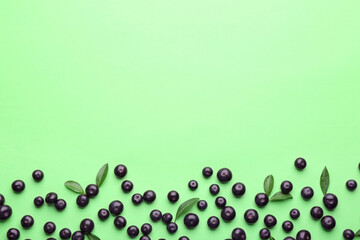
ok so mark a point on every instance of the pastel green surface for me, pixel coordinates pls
(169, 87)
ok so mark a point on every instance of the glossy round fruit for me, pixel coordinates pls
(51, 198)
(330, 201)
(307, 193)
(78, 236)
(328, 222)
(261, 199)
(137, 198)
(191, 220)
(251, 216)
(116, 207)
(133, 231)
(82, 200)
(228, 213)
(289, 238)
(127, 186)
(155, 215)
(2, 199)
(193, 185)
(207, 172)
(264, 233)
(172, 227)
(27, 221)
(65, 233)
(348, 234)
(238, 234)
(300, 163)
(49, 227)
(120, 222)
(87, 226)
(167, 218)
(213, 222)
(287, 226)
(214, 189)
(13, 234)
(224, 175)
(92, 190)
(294, 213)
(146, 228)
(5, 212)
(38, 201)
(286, 187)
(120, 170)
(316, 212)
(18, 186)
(270, 221)
(38, 175)
(173, 196)
(145, 237)
(60, 204)
(220, 202)
(351, 185)
(202, 205)
(183, 238)
(303, 235)
(149, 196)
(103, 214)
(238, 189)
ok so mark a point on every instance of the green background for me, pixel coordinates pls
(168, 87)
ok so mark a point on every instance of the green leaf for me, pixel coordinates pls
(272, 238)
(357, 234)
(74, 186)
(93, 237)
(279, 196)
(324, 181)
(268, 184)
(185, 206)
(100, 178)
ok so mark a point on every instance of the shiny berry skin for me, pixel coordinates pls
(51, 198)
(149, 196)
(207, 172)
(13, 234)
(173, 196)
(87, 226)
(133, 231)
(303, 235)
(120, 170)
(289, 238)
(330, 201)
(38, 175)
(348, 234)
(155, 215)
(65, 233)
(261, 199)
(137, 198)
(294, 213)
(264, 233)
(127, 186)
(316, 212)
(38, 201)
(145, 237)
(238, 189)
(184, 238)
(5, 212)
(92, 190)
(193, 185)
(116, 207)
(60, 204)
(103, 214)
(18, 186)
(213, 222)
(27, 221)
(307, 193)
(287, 226)
(167, 217)
(351, 185)
(49, 227)
(202, 205)
(251, 216)
(286, 187)
(191, 220)
(238, 234)
(82, 200)
(220, 202)
(214, 189)
(146, 228)
(224, 175)
(300, 163)
(270, 221)
(120, 222)
(172, 227)
(77, 236)
(228, 213)
(328, 222)
(2, 199)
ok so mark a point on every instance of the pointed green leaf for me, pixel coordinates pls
(268, 184)
(279, 196)
(357, 234)
(185, 206)
(102, 174)
(324, 181)
(93, 237)
(74, 186)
